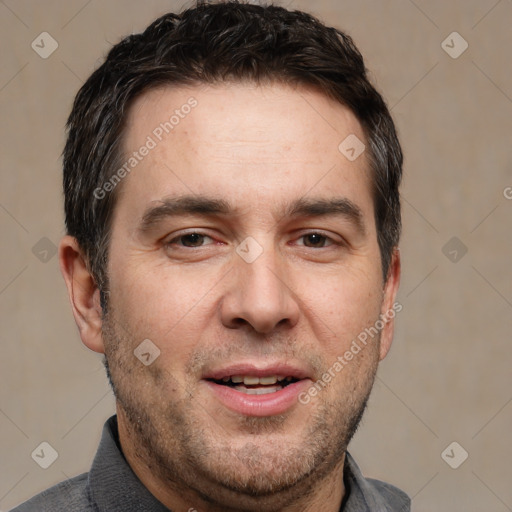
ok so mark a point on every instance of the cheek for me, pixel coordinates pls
(169, 307)
(344, 306)
(151, 293)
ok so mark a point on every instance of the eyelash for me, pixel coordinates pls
(327, 238)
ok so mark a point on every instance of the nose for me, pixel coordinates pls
(260, 295)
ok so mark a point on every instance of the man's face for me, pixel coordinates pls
(256, 291)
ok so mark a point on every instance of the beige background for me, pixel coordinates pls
(448, 376)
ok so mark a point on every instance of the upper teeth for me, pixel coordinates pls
(250, 380)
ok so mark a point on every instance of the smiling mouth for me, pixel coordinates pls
(252, 385)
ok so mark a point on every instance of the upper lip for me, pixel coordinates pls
(266, 370)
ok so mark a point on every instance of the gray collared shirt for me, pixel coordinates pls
(111, 486)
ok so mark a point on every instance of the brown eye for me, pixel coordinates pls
(189, 240)
(316, 240)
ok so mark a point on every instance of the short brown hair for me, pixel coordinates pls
(211, 43)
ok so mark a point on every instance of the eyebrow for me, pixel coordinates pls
(183, 205)
(323, 207)
(213, 207)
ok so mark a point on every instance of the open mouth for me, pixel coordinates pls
(258, 390)
(252, 385)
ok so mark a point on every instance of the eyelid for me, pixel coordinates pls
(329, 236)
(303, 234)
(182, 234)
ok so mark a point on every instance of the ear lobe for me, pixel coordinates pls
(389, 307)
(83, 292)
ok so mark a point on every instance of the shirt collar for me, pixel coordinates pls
(367, 495)
(112, 483)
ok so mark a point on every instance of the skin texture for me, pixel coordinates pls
(301, 302)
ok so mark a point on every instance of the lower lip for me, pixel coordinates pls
(269, 404)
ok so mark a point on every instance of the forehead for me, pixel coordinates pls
(249, 144)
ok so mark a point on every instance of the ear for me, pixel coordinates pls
(390, 308)
(83, 293)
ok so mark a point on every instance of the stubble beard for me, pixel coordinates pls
(176, 446)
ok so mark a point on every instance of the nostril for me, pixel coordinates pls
(238, 322)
